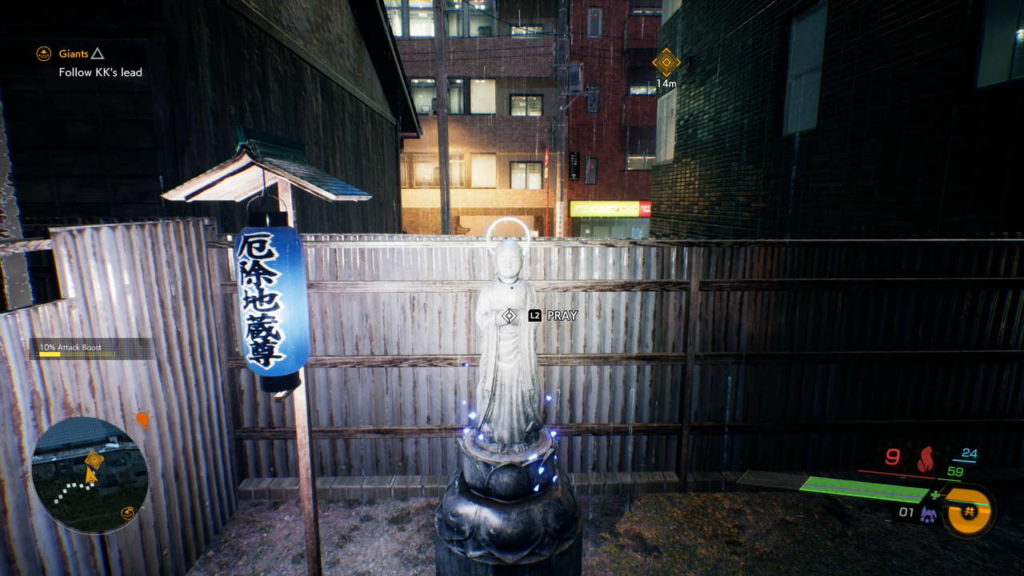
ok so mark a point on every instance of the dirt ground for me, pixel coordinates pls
(738, 533)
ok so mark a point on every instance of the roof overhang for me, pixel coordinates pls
(248, 174)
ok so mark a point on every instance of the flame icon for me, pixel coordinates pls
(925, 464)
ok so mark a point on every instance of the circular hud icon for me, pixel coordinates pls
(90, 475)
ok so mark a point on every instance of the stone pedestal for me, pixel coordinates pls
(509, 514)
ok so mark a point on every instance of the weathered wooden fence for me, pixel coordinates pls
(802, 352)
(146, 280)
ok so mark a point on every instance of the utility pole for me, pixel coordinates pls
(441, 82)
(561, 143)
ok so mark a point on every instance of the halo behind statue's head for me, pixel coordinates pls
(493, 247)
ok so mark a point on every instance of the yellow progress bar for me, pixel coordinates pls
(49, 354)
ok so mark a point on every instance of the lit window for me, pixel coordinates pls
(643, 88)
(665, 134)
(421, 18)
(594, 17)
(527, 175)
(645, 7)
(473, 19)
(526, 105)
(424, 92)
(639, 162)
(482, 96)
(456, 171)
(803, 75)
(527, 30)
(456, 96)
(484, 169)
(1002, 46)
(425, 173)
(590, 172)
(395, 16)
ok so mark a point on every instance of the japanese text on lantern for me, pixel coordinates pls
(261, 304)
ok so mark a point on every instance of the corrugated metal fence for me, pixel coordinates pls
(804, 352)
(146, 280)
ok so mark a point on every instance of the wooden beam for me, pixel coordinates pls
(335, 433)
(786, 284)
(458, 286)
(782, 427)
(859, 356)
(466, 360)
(665, 359)
(9, 247)
(407, 241)
(636, 429)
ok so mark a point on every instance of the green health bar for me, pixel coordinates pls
(869, 490)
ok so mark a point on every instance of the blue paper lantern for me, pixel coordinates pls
(270, 265)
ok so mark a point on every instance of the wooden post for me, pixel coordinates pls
(695, 264)
(307, 476)
(303, 436)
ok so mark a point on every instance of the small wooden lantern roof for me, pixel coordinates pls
(258, 164)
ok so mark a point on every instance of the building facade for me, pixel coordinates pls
(612, 121)
(837, 119)
(518, 120)
(137, 97)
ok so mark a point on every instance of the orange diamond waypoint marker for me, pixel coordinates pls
(666, 62)
(94, 460)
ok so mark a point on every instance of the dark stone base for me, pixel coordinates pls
(450, 563)
(509, 514)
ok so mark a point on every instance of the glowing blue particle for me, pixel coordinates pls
(466, 430)
(554, 433)
(480, 437)
(472, 415)
(463, 402)
(536, 487)
(541, 470)
(531, 458)
(555, 479)
(548, 397)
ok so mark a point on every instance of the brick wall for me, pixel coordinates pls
(904, 145)
(602, 135)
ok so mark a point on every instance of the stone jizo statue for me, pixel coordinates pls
(507, 395)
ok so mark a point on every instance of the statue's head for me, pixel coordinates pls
(508, 258)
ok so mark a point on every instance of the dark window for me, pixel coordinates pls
(526, 105)
(641, 75)
(593, 98)
(803, 75)
(1002, 46)
(590, 174)
(640, 147)
(594, 17)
